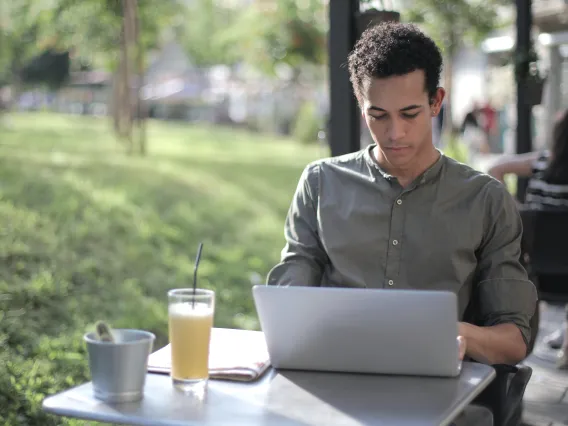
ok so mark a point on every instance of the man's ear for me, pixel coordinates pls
(438, 99)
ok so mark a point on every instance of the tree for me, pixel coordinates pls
(114, 34)
(200, 33)
(118, 39)
(283, 32)
(452, 23)
(22, 36)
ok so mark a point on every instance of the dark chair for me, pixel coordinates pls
(545, 249)
(504, 395)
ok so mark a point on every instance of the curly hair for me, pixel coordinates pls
(390, 49)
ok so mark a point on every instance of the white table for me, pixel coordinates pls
(289, 398)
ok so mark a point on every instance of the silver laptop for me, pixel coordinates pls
(408, 332)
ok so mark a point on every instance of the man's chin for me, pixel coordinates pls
(399, 154)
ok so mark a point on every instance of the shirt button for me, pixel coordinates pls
(391, 282)
(394, 242)
(399, 201)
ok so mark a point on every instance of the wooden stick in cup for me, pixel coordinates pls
(103, 331)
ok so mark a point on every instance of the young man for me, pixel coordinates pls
(400, 214)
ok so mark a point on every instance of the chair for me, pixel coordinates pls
(545, 249)
(504, 395)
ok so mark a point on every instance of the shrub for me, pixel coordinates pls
(307, 124)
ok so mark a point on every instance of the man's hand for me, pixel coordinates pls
(462, 346)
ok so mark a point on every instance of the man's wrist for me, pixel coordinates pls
(465, 330)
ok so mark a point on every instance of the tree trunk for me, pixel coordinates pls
(16, 87)
(140, 104)
(127, 55)
(15, 82)
(120, 90)
(116, 99)
(8, 99)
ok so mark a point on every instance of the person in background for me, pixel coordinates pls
(470, 118)
(547, 171)
(473, 133)
(488, 122)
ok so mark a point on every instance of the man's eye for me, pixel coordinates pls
(411, 115)
(380, 117)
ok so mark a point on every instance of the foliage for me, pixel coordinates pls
(268, 35)
(307, 124)
(98, 40)
(22, 25)
(454, 22)
(92, 234)
(28, 27)
(200, 33)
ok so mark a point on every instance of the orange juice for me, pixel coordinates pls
(190, 334)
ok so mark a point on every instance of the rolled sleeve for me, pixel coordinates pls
(504, 291)
(303, 257)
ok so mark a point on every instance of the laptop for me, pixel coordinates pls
(352, 330)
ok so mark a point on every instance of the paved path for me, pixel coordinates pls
(546, 396)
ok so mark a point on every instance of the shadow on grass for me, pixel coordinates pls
(138, 228)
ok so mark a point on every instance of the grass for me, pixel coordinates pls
(90, 233)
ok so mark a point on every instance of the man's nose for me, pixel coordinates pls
(396, 129)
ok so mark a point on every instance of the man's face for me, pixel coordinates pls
(399, 115)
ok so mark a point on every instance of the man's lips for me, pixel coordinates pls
(397, 148)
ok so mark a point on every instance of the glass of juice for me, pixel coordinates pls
(190, 317)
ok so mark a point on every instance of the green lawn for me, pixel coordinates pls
(90, 233)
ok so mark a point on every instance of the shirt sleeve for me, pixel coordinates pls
(303, 258)
(504, 292)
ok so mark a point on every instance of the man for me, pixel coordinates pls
(399, 214)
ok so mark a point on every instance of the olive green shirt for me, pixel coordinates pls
(351, 224)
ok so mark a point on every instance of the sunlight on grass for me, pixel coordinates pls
(92, 233)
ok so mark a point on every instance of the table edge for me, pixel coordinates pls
(78, 414)
(459, 407)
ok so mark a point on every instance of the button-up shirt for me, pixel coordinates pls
(351, 224)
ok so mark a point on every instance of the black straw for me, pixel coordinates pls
(195, 273)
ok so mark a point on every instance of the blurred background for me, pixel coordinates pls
(131, 130)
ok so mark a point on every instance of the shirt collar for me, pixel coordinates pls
(427, 176)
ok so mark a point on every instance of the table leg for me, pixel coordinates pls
(474, 415)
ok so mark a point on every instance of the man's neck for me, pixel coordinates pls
(405, 175)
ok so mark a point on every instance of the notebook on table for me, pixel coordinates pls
(239, 355)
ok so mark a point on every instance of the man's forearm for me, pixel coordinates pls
(498, 344)
(297, 272)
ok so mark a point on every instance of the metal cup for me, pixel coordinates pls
(118, 369)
